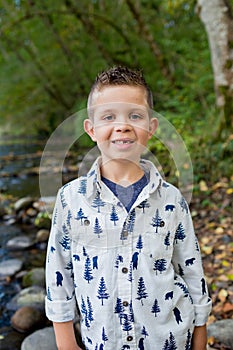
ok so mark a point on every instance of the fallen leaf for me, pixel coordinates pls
(222, 295)
(219, 230)
(227, 307)
(203, 186)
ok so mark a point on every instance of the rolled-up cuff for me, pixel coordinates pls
(60, 311)
(202, 313)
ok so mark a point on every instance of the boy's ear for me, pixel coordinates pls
(154, 123)
(89, 129)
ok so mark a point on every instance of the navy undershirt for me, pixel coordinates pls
(127, 195)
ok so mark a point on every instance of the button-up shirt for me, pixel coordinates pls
(136, 276)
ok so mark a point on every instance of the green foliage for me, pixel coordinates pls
(51, 52)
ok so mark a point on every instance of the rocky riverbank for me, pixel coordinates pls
(24, 232)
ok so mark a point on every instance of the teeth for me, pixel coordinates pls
(122, 142)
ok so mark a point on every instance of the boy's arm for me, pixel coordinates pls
(199, 339)
(65, 337)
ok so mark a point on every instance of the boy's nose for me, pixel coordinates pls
(122, 126)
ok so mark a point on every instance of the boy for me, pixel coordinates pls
(122, 243)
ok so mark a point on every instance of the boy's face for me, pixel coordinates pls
(120, 123)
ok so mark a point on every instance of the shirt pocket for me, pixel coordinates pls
(158, 240)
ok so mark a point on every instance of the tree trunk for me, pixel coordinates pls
(217, 18)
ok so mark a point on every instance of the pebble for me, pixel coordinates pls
(23, 203)
(43, 339)
(19, 243)
(42, 235)
(31, 296)
(34, 277)
(10, 267)
(222, 332)
(27, 319)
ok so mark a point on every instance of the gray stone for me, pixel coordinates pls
(42, 235)
(10, 267)
(19, 243)
(222, 332)
(32, 296)
(43, 339)
(34, 277)
(23, 203)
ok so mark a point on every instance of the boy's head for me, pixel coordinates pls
(119, 76)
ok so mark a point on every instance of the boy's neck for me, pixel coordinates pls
(121, 171)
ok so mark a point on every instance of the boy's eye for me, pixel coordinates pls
(108, 117)
(135, 116)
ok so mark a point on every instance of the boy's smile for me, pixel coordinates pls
(120, 122)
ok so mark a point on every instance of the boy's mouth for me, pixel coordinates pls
(122, 142)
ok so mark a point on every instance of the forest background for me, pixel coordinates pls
(51, 52)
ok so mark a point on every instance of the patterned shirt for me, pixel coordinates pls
(136, 276)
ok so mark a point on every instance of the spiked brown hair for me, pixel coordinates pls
(121, 76)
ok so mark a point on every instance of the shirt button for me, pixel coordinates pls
(124, 270)
(162, 223)
(86, 222)
(125, 303)
(129, 338)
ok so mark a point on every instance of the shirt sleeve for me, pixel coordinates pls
(60, 302)
(188, 263)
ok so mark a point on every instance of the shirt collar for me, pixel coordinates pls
(94, 177)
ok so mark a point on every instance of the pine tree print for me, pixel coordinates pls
(97, 228)
(97, 202)
(90, 310)
(83, 307)
(63, 201)
(144, 332)
(170, 344)
(69, 266)
(130, 275)
(55, 217)
(104, 336)
(183, 288)
(143, 205)
(156, 220)
(131, 313)
(139, 244)
(127, 326)
(49, 297)
(180, 233)
(65, 242)
(188, 341)
(102, 291)
(83, 187)
(131, 221)
(183, 205)
(81, 216)
(88, 270)
(69, 216)
(113, 215)
(141, 292)
(119, 309)
(155, 308)
(84, 251)
(160, 265)
(167, 240)
(119, 259)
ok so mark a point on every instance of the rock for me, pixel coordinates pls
(42, 235)
(10, 339)
(43, 339)
(31, 296)
(19, 243)
(27, 318)
(35, 277)
(222, 332)
(23, 203)
(10, 267)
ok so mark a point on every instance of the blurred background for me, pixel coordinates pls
(50, 53)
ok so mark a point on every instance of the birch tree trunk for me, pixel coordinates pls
(217, 18)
